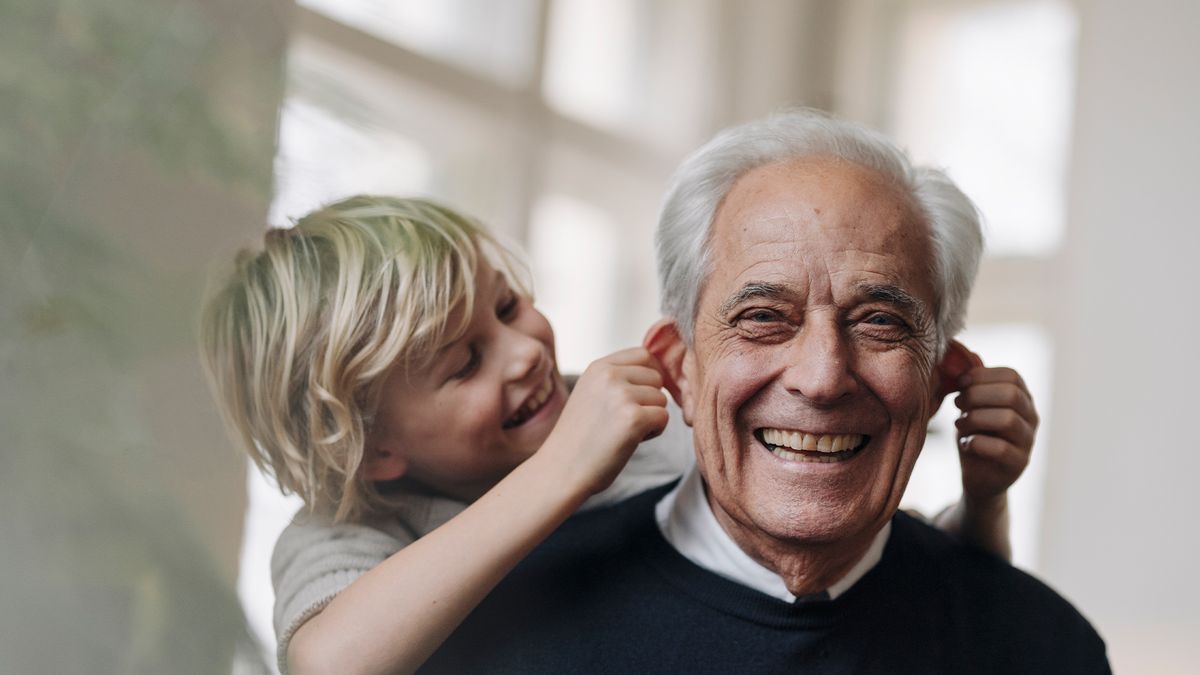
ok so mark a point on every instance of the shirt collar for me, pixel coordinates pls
(687, 522)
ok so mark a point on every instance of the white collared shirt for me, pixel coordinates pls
(687, 522)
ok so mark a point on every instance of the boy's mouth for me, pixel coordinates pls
(533, 404)
(800, 446)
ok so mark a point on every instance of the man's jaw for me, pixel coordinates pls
(795, 445)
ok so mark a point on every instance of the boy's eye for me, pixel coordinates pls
(469, 367)
(508, 307)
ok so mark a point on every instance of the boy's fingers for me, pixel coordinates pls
(1002, 422)
(656, 420)
(631, 356)
(639, 375)
(994, 449)
(648, 396)
(1001, 395)
(982, 375)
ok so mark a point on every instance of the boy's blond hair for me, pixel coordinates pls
(298, 343)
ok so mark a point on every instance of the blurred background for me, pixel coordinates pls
(144, 141)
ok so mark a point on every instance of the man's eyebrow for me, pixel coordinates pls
(893, 295)
(754, 289)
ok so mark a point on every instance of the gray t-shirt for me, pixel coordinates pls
(315, 559)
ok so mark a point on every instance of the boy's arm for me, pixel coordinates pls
(984, 525)
(391, 619)
(995, 438)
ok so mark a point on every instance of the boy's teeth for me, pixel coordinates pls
(532, 404)
(797, 440)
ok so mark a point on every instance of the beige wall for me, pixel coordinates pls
(1122, 495)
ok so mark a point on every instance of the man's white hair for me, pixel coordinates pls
(706, 176)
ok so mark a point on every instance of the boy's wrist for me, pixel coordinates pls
(977, 508)
(559, 478)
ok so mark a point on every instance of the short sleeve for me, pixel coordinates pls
(314, 560)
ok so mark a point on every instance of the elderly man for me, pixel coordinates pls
(812, 282)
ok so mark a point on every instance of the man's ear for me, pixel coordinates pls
(383, 464)
(664, 343)
(957, 361)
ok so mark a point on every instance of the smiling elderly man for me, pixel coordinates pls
(812, 282)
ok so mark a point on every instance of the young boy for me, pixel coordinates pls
(383, 360)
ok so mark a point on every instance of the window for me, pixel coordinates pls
(984, 89)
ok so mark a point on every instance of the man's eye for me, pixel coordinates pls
(884, 324)
(469, 367)
(763, 324)
(760, 316)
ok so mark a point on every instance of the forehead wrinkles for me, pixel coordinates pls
(818, 222)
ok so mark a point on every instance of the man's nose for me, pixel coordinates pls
(819, 367)
(523, 354)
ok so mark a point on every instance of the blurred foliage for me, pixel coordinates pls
(84, 78)
(103, 570)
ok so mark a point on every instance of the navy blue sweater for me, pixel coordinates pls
(607, 594)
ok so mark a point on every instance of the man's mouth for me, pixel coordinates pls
(799, 446)
(534, 403)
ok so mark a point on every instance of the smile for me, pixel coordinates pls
(533, 404)
(799, 446)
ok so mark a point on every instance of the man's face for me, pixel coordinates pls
(811, 377)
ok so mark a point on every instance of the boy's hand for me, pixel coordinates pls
(617, 403)
(995, 430)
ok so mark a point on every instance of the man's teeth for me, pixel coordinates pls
(780, 440)
(532, 404)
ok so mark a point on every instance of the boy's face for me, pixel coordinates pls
(485, 404)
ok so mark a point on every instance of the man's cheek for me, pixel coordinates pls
(901, 382)
(742, 375)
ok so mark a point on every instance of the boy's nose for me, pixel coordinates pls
(525, 354)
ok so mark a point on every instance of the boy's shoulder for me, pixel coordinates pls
(313, 535)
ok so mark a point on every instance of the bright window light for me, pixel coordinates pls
(575, 256)
(591, 60)
(983, 89)
(322, 158)
(267, 513)
(492, 38)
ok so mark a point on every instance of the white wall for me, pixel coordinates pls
(1118, 535)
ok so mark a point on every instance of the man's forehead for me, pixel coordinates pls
(817, 222)
(780, 195)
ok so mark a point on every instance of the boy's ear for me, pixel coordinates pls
(957, 361)
(383, 464)
(664, 343)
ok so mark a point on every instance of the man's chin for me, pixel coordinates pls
(823, 517)
(814, 527)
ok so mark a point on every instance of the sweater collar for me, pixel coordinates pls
(686, 521)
